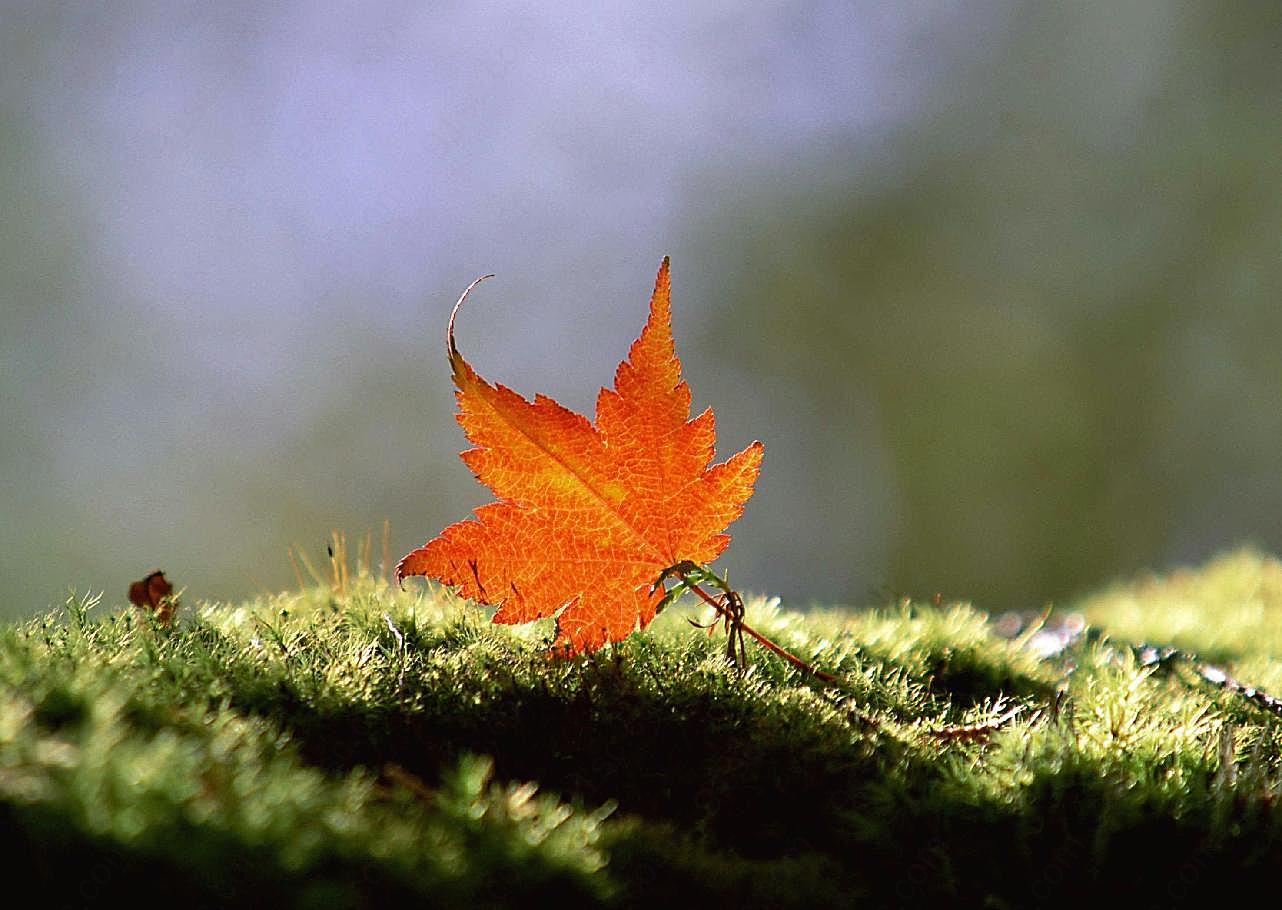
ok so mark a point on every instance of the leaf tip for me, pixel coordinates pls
(404, 570)
(661, 299)
(450, 347)
(663, 281)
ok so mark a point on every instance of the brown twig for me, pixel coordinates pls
(732, 613)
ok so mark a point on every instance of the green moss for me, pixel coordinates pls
(354, 748)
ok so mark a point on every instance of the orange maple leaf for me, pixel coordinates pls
(588, 516)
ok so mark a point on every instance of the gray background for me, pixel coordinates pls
(997, 284)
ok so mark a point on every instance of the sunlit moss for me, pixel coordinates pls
(353, 746)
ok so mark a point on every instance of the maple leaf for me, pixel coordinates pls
(588, 516)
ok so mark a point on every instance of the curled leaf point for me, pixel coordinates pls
(450, 347)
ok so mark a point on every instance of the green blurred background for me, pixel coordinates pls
(996, 284)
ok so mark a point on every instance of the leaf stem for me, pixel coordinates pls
(730, 608)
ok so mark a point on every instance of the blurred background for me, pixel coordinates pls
(997, 284)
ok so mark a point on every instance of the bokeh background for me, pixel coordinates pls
(997, 284)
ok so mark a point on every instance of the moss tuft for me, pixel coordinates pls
(355, 745)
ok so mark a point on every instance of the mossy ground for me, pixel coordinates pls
(355, 745)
